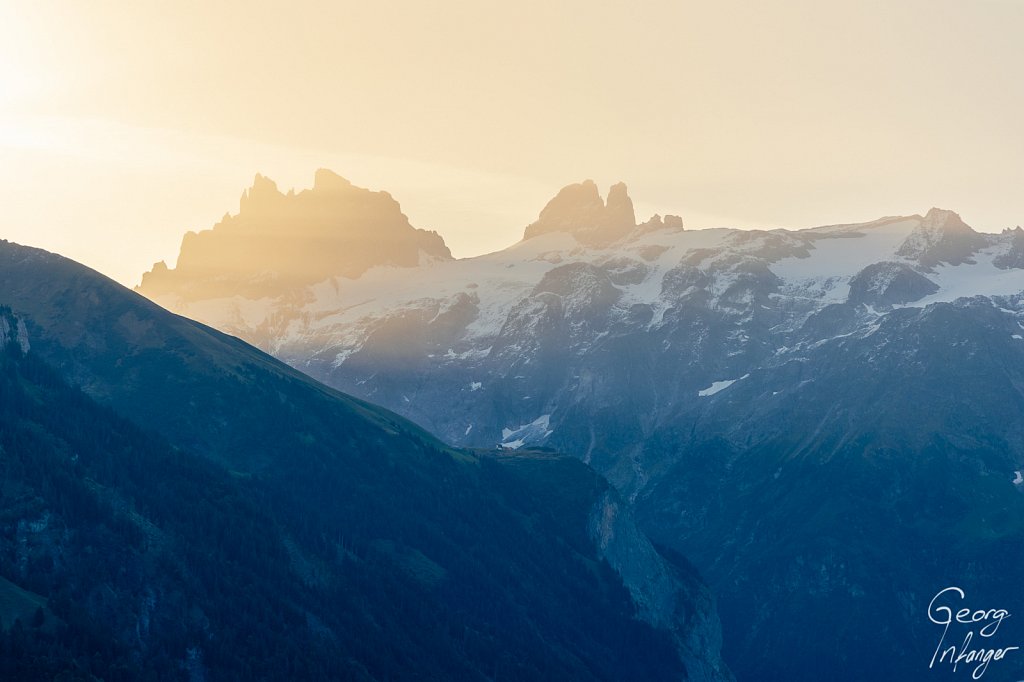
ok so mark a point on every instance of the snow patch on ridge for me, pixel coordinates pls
(341, 357)
(533, 433)
(718, 386)
(839, 254)
(981, 278)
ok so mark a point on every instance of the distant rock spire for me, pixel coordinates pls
(579, 210)
(619, 208)
(263, 192)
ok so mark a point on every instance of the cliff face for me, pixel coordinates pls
(13, 331)
(278, 241)
(579, 210)
(942, 237)
(667, 591)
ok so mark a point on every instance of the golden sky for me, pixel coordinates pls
(124, 124)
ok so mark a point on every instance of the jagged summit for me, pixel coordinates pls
(262, 195)
(619, 207)
(579, 210)
(942, 237)
(657, 222)
(326, 180)
(576, 208)
(277, 241)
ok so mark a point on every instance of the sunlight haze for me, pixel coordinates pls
(124, 125)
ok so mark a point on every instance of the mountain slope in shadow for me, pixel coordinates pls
(190, 507)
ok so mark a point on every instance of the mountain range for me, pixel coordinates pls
(828, 422)
(176, 504)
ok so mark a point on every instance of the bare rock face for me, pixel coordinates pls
(619, 207)
(656, 222)
(279, 241)
(1013, 257)
(888, 284)
(673, 222)
(942, 237)
(668, 595)
(579, 210)
(13, 331)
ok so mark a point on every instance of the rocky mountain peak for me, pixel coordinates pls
(575, 206)
(326, 180)
(619, 207)
(579, 210)
(263, 193)
(1013, 255)
(941, 218)
(941, 237)
(278, 241)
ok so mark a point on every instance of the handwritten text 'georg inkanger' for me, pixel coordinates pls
(947, 608)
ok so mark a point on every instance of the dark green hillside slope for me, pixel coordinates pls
(198, 509)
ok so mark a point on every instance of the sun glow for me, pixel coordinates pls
(136, 121)
(14, 84)
(19, 76)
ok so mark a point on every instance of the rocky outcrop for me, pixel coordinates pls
(887, 284)
(656, 222)
(13, 331)
(585, 289)
(942, 237)
(1013, 257)
(666, 591)
(619, 207)
(279, 241)
(667, 595)
(579, 210)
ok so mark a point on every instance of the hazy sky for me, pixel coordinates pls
(124, 124)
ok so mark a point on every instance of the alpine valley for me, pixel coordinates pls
(828, 422)
(177, 505)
